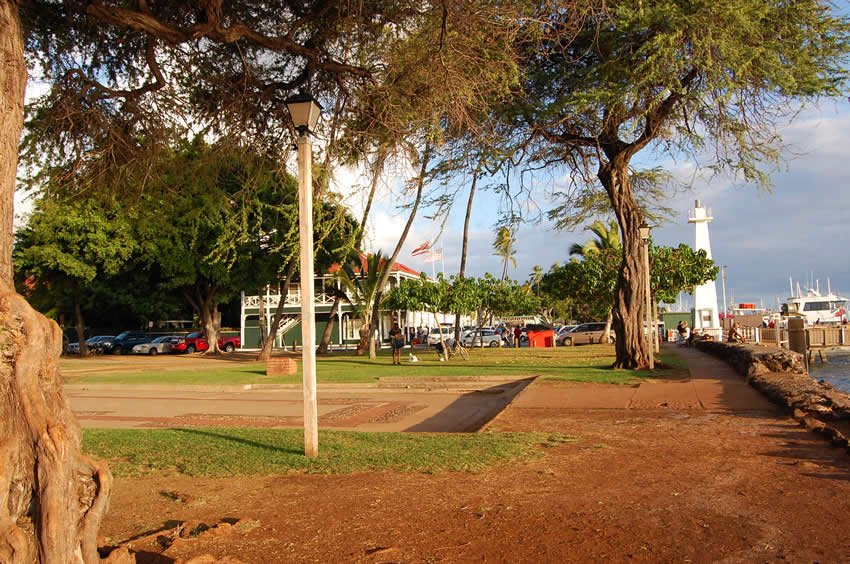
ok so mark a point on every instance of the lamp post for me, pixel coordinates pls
(644, 238)
(305, 111)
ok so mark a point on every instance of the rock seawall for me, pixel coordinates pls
(781, 376)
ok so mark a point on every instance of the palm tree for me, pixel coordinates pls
(607, 237)
(503, 245)
(535, 277)
(361, 284)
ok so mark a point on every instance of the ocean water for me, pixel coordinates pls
(836, 371)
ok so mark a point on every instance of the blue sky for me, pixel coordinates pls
(799, 229)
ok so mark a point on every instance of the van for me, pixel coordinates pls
(585, 334)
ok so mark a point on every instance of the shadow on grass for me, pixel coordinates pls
(240, 440)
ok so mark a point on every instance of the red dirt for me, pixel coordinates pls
(647, 485)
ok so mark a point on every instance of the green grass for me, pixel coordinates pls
(582, 364)
(234, 452)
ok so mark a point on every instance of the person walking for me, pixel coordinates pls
(396, 343)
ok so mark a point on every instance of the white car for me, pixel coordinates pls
(448, 334)
(160, 345)
(484, 337)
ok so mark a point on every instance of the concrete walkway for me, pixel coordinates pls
(445, 405)
(712, 386)
(461, 405)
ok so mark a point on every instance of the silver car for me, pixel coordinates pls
(485, 337)
(157, 346)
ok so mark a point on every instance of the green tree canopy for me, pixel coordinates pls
(679, 76)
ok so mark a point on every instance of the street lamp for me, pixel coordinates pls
(305, 111)
(644, 238)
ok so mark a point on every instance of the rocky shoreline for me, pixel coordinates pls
(781, 376)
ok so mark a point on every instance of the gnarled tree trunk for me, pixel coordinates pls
(628, 314)
(52, 498)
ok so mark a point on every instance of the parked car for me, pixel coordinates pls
(562, 332)
(197, 342)
(485, 337)
(160, 345)
(124, 342)
(100, 342)
(72, 348)
(585, 334)
(448, 334)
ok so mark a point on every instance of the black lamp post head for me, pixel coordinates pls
(304, 111)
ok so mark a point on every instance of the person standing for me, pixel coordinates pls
(517, 335)
(396, 343)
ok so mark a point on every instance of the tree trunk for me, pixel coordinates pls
(268, 344)
(52, 498)
(363, 345)
(464, 246)
(324, 345)
(202, 300)
(420, 183)
(656, 342)
(374, 322)
(377, 170)
(210, 328)
(628, 314)
(80, 324)
(262, 319)
(13, 82)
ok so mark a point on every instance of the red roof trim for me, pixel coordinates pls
(397, 267)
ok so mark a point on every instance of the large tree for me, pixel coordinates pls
(677, 76)
(66, 246)
(118, 71)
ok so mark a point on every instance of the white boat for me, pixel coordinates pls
(814, 307)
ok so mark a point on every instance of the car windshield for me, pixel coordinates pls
(123, 335)
(194, 335)
(160, 339)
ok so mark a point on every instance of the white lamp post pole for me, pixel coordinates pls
(305, 113)
(650, 348)
(308, 307)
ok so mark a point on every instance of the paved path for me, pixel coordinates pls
(406, 405)
(460, 405)
(712, 386)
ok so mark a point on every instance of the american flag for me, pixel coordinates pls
(434, 255)
(422, 249)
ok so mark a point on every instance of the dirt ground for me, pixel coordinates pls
(662, 483)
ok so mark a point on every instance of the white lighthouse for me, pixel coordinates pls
(706, 315)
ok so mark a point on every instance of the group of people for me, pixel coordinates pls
(511, 334)
(687, 336)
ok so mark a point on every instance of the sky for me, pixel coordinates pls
(799, 229)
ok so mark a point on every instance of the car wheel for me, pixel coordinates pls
(228, 348)
(117, 350)
(568, 342)
(494, 344)
(153, 352)
(190, 349)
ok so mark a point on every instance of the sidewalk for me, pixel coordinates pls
(713, 386)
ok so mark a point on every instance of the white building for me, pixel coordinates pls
(706, 313)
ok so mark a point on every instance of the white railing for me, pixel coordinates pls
(292, 299)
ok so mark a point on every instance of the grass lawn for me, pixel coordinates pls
(233, 452)
(582, 364)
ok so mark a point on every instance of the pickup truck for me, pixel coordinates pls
(197, 342)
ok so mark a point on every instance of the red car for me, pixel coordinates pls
(198, 342)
